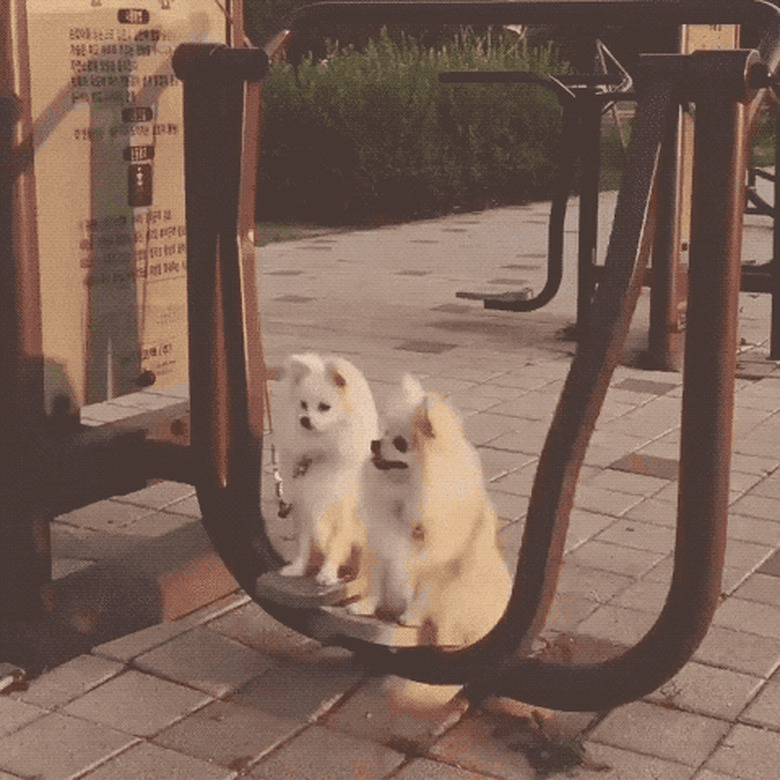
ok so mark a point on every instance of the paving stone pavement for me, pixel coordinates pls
(228, 692)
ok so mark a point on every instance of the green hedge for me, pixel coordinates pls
(369, 135)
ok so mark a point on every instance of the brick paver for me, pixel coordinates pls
(148, 704)
(228, 690)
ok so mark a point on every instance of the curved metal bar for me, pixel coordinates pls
(573, 423)
(225, 445)
(555, 230)
(710, 362)
(573, 12)
(567, 155)
(226, 370)
(227, 488)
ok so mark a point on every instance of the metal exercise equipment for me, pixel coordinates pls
(227, 374)
(721, 84)
(584, 100)
(765, 277)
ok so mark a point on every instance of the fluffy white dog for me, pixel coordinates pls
(432, 557)
(328, 420)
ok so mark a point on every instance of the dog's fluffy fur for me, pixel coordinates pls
(432, 559)
(324, 432)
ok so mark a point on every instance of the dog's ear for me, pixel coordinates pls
(336, 374)
(412, 389)
(422, 421)
(296, 368)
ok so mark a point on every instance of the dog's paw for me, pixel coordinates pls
(410, 617)
(364, 607)
(294, 569)
(327, 575)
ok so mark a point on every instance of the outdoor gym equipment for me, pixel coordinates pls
(721, 84)
(584, 99)
(226, 372)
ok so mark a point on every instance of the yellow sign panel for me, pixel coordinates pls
(695, 37)
(108, 140)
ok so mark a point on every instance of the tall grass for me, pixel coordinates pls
(373, 134)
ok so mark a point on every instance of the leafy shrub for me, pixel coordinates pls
(361, 135)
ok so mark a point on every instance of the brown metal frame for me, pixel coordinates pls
(499, 663)
(227, 373)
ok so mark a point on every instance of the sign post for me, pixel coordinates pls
(669, 279)
(92, 237)
(108, 139)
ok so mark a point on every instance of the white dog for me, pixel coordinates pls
(323, 436)
(432, 557)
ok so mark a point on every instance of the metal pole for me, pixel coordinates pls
(774, 266)
(226, 402)
(570, 12)
(590, 156)
(25, 557)
(664, 344)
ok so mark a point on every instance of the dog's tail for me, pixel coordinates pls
(422, 698)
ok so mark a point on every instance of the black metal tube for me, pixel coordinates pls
(566, 156)
(555, 229)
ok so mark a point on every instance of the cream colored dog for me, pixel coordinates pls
(432, 559)
(328, 420)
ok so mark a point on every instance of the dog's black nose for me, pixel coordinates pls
(306, 423)
(376, 447)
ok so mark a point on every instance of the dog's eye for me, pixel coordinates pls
(304, 406)
(400, 444)
(323, 407)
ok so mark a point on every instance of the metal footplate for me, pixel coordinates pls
(303, 592)
(332, 622)
(497, 300)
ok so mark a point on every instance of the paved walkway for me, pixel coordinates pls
(226, 691)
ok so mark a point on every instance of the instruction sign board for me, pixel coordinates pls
(108, 141)
(697, 37)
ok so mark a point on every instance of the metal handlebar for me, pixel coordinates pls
(573, 12)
